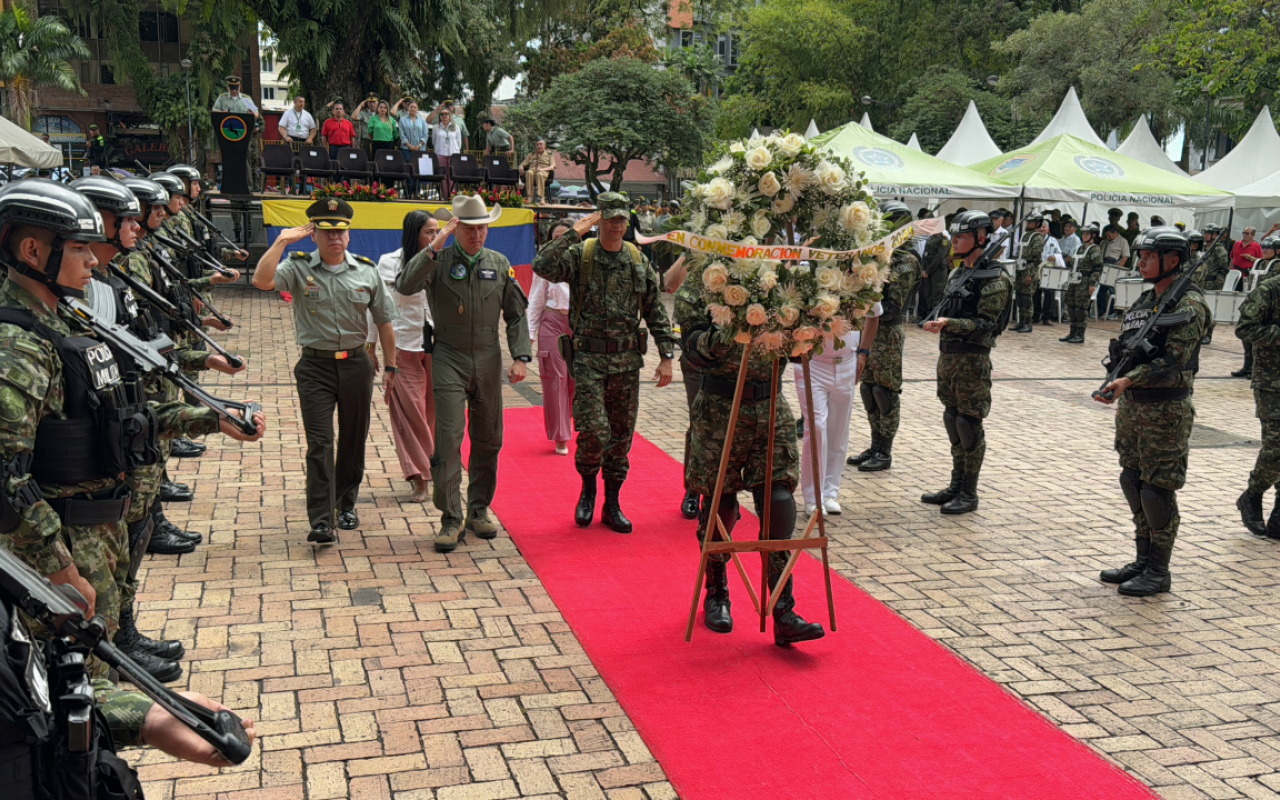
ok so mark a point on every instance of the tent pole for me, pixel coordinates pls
(1084, 216)
(1231, 218)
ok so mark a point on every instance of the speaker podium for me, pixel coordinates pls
(233, 132)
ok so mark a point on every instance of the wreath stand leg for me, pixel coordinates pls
(764, 604)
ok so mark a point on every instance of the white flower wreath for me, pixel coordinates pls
(764, 190)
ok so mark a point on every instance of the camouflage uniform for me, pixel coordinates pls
(1213, 268)
(607, 301)
(1152, 434)
(1089, 268)
(31, 389)
(882, 378)
(1260, 326)
(936, 265)
(1028, 280)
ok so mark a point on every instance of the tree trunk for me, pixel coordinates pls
(343, 78)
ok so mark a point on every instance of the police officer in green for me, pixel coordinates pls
(468, 289)
(97, 145)
(333, 289)
(612, 288)
(232, 101)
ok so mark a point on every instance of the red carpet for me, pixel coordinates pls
(875, 710)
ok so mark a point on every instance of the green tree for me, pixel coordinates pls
(612, 112)
(1229, 47)
(1101, 51)
(583, 32)
(35, 54)
(938, 102)
(700, 64)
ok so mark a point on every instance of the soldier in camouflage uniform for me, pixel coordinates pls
(612, 288)
(882, 378)
(1266, 267)
(713, 350)
(70, 530)
(1213, 268)
(1155, 414)
(1027, 281)
(1259, 328)
(968, 325)
(934, 268)
(1085, 277)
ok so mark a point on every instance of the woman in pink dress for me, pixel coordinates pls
(548, 321)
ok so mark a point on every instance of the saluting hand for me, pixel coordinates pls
(437, 244)
(293, 235)
(583, 226)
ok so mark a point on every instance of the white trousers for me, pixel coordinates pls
(833, 395)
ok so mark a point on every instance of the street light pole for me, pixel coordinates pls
(191, 142)
(1208, 109)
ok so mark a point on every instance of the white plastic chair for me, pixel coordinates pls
(1232, 281)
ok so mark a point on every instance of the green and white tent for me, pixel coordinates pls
(893, 169)
(1069, 169)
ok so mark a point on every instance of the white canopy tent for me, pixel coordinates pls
(1141, 144)
(970, 143)
(21, 148)
(1257, 205)
(866, 121)
(1245, 171)
(1069, 119)
(812, 130)
(914, 143)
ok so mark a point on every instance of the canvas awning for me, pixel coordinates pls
(21, 148)
(1070, 169)
(1255, 157)
(893, 169)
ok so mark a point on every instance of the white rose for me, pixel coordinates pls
(768, 279)
(769, 185)
(736, 295)
(718, 193)
(756, 315)
(828, 278)
(825, 305)
(715, 277)
(868, 273)
(721, 315)
(722, 166)
(791, 144)
(716, 231)
(805, 333)
(855, 217)
(830, 177)
(783, 205)
(759, 158)
(737, 147)
(788, 315)
(760, 224)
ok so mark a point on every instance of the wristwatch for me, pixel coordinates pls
(862, 351)
(667, 355)
(524, 359)
(390, 370)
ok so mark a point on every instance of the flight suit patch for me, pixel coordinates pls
(488, 274)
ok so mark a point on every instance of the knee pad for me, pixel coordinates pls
(782, 514)
(868, 398)
(949, 422)
(1131, 485)
(1157, 505)
(885, 399)
(970, 431)
(728, 513)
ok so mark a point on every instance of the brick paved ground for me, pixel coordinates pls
(382, 669)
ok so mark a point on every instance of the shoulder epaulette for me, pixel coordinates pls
(299, 254)
(364, 260)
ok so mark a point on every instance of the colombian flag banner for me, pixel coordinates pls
(376, 229)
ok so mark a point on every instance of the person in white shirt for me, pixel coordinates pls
(297, 124)
(835, 376)
(549, 320)
(446, 140)
(411, 399)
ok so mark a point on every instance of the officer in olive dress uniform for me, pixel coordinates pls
(332, 291)
(469, 289)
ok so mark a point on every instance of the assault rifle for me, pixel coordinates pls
(158, 302)
(958, 286)
(149, 359)
(1140, 343)
(56, 608)
(175, 275)
(208, 224)
(192, 249)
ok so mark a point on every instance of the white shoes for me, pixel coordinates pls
(831, 506)
(809, 508)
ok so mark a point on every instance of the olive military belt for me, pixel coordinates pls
(752, 391)
(1156, 395)
(952, 348)
(582, 344)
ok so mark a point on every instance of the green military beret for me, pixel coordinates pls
(613, 204)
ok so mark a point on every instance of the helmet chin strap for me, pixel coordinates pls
(49, 277)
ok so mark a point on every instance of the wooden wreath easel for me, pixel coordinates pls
(763, 603)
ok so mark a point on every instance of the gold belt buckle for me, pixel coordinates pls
(342, 355)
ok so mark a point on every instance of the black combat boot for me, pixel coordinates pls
(1078, 336)
(1273, 521)
(880, 460)
(1250, 505)
(171, 492)
(586, 508)
(856, 461)
(1155, 578)
(690, 506)
(1131, 570)
(946, 495)
(715, 607)
(611, 515)
(788, 626)
(1070, 335)
(167, 538)
(1024, 327)
(161, 669)
(967, 499)
(1247, 370)
(129, 637)
(185, 448)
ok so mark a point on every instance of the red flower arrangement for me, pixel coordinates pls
(359, 192)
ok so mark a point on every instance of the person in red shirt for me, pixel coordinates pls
(1244, 253)
(337, 130)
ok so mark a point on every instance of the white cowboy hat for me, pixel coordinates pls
(469, 210)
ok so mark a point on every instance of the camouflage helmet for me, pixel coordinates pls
(613, 204)
(1271, 243)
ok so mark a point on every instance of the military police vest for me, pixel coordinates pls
(109, 427)
(1137, 316)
